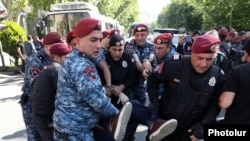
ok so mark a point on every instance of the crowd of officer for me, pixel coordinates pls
(95, 87)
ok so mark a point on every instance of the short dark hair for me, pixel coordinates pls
(29, 37)
(247, 47)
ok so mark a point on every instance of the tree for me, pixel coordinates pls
(180, 14)
(14, 8)
(126, 11)
(9, 38)
(223, 13)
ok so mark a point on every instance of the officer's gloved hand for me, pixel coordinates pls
(122, 98)
(197, 131)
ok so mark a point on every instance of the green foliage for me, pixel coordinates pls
(14, 8)
(126, 11)
(10, 36)
(232, 14)
(179, 15)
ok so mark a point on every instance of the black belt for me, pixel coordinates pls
(61, 135)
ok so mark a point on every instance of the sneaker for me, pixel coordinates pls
(162, 128)
(118, 123)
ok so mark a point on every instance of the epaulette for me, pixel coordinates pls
(222, 72)
(177, 57)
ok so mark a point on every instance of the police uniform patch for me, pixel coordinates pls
(89, 71)
(176, 57)
(35, 71)
(124, 64)
(130, 48)
(212, 81)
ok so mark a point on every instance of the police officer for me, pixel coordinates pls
(35, 64)
(144, 55)
(192, 86)
(164, 51)
(123, 70)
(70, 39)
(45, 91)
(80, 99)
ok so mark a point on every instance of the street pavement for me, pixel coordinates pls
(12, 127)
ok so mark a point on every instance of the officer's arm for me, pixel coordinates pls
(106, 72)
(90, 89)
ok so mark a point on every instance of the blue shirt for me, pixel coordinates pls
(80, 98)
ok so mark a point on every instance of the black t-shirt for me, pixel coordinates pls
(238, 81)
(21, 46)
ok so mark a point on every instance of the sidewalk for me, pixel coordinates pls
(12, 126)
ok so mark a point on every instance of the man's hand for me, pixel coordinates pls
(116, 90)
(147, 65)
(122, 98)
(145, 73)
(181, 39)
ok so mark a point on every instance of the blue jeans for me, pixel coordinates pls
(140, 115)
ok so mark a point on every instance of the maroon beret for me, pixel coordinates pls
(51, 38)
(231, 33)
(70, 37)
(223, 31)
(112, 32)
(85, 26)
(105, 33)
(140, 28)
(163, 38)
(60, 49)
(205, 44)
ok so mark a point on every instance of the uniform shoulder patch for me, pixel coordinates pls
(177, 57)
(130, 48)
(35, 71)
(89, 71)
(222, 72)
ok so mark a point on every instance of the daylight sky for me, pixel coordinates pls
(150, 9)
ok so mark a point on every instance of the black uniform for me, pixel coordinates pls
(123, 72)
(189, 97)
(43, 101)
